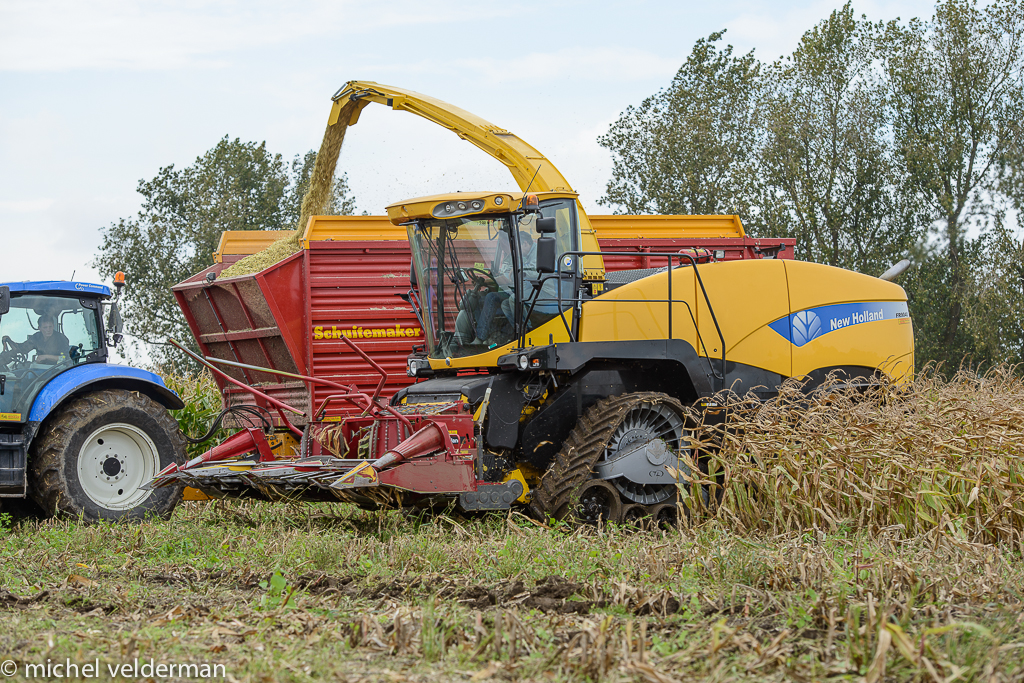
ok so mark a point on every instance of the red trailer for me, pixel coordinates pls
(347, 281)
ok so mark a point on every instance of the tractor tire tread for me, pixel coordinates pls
(47, 485)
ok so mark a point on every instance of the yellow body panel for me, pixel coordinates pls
(667, 227)
(611, 317)
(551, 331)
(746, 296)
(884, 344)
(814, 284)
(753, 301)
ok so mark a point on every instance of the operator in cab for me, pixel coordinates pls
(48, 343)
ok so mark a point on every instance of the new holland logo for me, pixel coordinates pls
(806, 326)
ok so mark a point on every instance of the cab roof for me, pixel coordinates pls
(57, 287)
(459, 204)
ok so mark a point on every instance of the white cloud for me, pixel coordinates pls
(577, 63)
(25, 205)
(57, 35)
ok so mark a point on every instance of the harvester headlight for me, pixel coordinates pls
(414, 366)
(448, 208)
(462, 206)
(499, 200)
(524, 362)
(477, 205)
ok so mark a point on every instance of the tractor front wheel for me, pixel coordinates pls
(97, 451)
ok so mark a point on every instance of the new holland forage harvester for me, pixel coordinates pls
(544, 379)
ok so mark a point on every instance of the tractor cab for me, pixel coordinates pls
(482, 271)
(47, 328)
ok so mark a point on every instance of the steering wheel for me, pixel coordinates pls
(479, 280)
(11, 358)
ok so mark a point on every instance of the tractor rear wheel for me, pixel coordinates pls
(606, 428)
(97, 451)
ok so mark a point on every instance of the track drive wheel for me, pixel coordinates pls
(96, 452)
(602, 429)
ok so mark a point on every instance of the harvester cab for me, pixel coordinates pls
(485, 269)
(78, 434)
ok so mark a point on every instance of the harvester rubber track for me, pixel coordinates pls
(582, 449)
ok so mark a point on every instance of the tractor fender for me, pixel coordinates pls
(96, 376)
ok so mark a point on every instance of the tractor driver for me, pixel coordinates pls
(48, 344)
(501, 299)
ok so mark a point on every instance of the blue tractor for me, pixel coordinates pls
(78, 434)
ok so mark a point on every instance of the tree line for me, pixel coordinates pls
(871, 142)
(234, 186)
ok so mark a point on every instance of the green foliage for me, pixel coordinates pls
(234, 186)
(856, 144)
(689, 148)
(202, 404)
(956, 98)
(828, 173)
(278, 592)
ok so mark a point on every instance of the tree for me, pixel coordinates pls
(955, 90)
(234, 186)
(341, 202)
(827, 171)
(688, 149)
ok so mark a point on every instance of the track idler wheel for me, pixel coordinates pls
(597, 502)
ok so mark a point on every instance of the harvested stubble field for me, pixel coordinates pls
(875, 539)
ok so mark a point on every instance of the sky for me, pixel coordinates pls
(98, 94)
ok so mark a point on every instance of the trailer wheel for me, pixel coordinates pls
(97, 451)
(604, 426)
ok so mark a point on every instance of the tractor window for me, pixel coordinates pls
(42, 336)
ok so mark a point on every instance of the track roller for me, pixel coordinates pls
(636, 515)
(665, 516)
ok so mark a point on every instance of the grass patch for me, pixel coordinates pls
(277, 592)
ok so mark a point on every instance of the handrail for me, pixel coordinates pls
(670, 256)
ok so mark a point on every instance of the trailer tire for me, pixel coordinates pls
(121, 438)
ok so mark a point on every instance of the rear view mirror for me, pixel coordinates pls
(114, 324)
(546, 257)
(5, 300)
(546, 225)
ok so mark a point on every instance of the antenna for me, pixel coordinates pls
(73, 274)
(528, 186)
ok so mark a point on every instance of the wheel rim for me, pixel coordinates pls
(644, 423)
(598, 502)
(114, 462)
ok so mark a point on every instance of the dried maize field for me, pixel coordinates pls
(876, 539)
